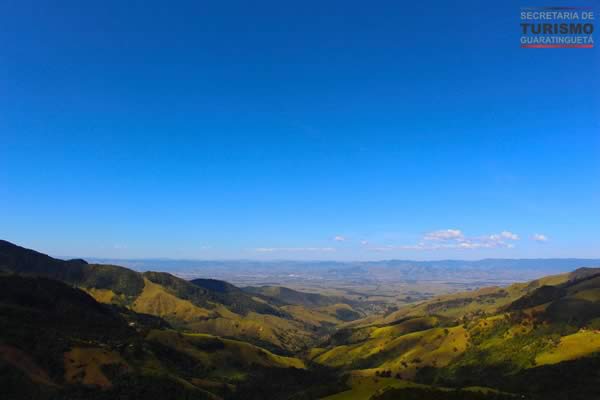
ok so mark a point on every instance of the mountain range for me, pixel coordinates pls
(78, 330)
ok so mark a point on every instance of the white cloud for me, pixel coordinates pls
(364, 242)
(419, 246)
(502, 239)
(474, 245)
(293, 249)
(446, 234)
(509, 235)
(455, 239)
(538, 237)
(339, 238)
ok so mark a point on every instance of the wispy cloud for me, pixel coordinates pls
(444, 234)
(339, 238)
(390, 247)
(504, 235)
(455, 239)
(293, 249)
(364, 242)
(538, 237)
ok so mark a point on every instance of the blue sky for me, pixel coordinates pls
(318, 130)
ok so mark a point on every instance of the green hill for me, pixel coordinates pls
(496, 337)
(69, 329)
(286, 296)
(122, 281)
(316, 310)
(203, 305)
(235, 298)
(56, 341)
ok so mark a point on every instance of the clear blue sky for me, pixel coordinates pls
(266, 130)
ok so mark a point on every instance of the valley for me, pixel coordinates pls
(79, 330)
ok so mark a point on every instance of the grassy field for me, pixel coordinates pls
(156, 300)
(574, 346)
(105, 295)
(214, 352)
(83, 365)
(363, 387)
(280, 332)
(311, 316)
(401, 354)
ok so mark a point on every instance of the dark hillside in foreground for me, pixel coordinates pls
(57, 342)
(208, 306)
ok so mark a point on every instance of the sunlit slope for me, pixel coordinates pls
(286, 296)
(384, 388)
(485, 300)
(550, 331)
(84, 366)
(218, 354)
(402, 354)
(364, 387)
(570, 347)
(313, 309)
(441, 393)
(312, 317)
(157, 300)
(266, 330)
(495, 337)
(274, 329)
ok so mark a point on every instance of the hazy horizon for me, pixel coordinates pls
(273, 260)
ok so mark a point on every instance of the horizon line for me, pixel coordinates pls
(320, 260)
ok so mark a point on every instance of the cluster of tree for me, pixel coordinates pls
(387, 374)
(290, 383)
(417, 393)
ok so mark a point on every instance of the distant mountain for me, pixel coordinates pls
(488, 270)
(277, 273)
